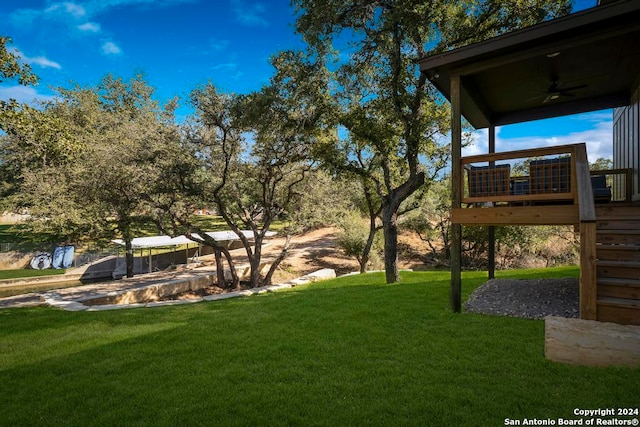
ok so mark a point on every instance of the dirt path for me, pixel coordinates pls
(317, 249)
(307, 252)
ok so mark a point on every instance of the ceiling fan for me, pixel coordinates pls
(556, 90)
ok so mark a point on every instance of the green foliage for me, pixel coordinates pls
(83, 163)
(324, 199)
(431, 220)
(343, 352)
(247, 155)
(601, 164)
(352, 239)
(11, 68)
(390, 115)
(16, 117)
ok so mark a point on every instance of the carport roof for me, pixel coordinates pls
(581, 62)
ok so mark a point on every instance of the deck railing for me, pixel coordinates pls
(618, 181)
(520, 177)
(538, 186)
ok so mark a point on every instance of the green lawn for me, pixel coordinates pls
(27, 272)
(350, 351)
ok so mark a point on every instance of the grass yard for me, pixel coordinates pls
(350, 351)
(27, 272)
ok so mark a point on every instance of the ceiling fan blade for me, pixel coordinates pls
(548, 98)
(566, 89)
(535, 98)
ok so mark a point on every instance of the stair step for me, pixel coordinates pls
(611, 281)
(623, 252)
(618, 288)
(618, 236)
(623, 247)
(618, 269)
(617, 212)
(619, 302)
(619, 310)
(619, 264)
(617, 224)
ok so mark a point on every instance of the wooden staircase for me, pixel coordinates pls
(618, 264)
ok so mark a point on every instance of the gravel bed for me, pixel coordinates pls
(530, 299)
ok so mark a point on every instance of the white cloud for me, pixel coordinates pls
(69, 8)
(225, 66)
(40, 61)
(22, 94)
(110, 48)
(99, 6)
(598, 137)
(250, 14)
(90, 27)
(76, 13)
(218, 45)
(24, 17)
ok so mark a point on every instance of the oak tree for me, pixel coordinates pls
(389, 113)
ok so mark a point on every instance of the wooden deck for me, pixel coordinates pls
(559, 193)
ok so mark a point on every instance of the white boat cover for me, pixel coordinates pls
(164, 241)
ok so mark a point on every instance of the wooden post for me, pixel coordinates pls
(628, 186)
(491, 251)
(588, 273)
(456, 194)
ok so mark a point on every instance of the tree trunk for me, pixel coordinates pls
(390, 228)
(128, 256)
(219, 267)
(254, 262)
(390, 205)
(235, 281)
(364, 259)
(373, 214)
(277, 261)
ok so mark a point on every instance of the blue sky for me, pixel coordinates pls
(179, 44)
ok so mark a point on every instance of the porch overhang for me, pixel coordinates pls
(582, 62)
(578, 63)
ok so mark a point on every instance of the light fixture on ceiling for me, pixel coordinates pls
(553, 54)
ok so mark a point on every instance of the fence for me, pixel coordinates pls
(8, 247)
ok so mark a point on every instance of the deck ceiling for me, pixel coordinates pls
(582, 62)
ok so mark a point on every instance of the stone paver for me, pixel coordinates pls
(173, 302)
(136, 292)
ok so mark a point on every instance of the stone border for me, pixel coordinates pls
(591, 343)
(129, 298)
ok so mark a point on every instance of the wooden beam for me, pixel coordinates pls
(569, 196)
(520, 154)
(491, 250)
(456, 194)
(583, 105)
(517, 215)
